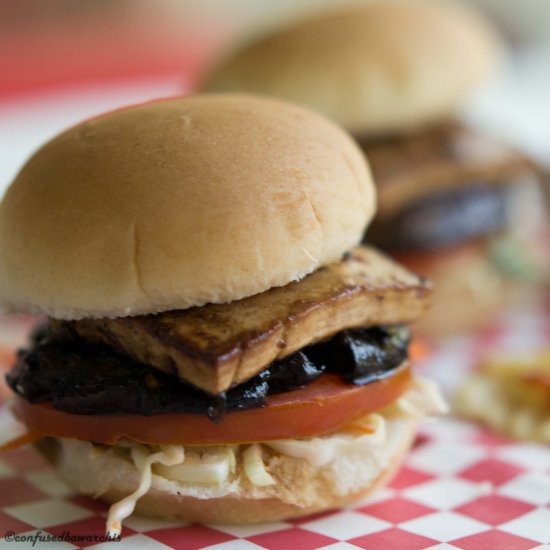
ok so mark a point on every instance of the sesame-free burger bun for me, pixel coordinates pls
(177, 203)
(382, 67)
(300, 487)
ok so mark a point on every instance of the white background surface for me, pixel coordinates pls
(27, 123)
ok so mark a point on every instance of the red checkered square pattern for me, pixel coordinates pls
(25, 460)
(9, 523)
(408, 477)
(294, 537)
(189, 537)
(16, 490)
(396, 510)
(493, 540)
(495, 509)
(492, 470)
(497, 500)
(393, 539)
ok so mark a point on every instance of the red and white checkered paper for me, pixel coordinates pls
(461, 487)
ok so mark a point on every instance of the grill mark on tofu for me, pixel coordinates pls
(220, 345)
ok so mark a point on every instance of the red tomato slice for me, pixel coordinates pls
(424, 262)
(321, 407)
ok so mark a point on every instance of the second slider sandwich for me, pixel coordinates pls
(456, 206)
(219, 348)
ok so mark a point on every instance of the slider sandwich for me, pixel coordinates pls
(219, 347)
(459, 207)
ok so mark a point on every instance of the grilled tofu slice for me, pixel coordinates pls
(220, 345)
(412, 166)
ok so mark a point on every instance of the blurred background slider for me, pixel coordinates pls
(455, 205)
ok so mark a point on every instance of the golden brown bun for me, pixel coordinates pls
(177, 203)
(383, 67)
(301, 489)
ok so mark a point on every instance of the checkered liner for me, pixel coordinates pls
(461, 487)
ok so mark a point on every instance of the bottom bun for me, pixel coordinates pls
(242, 511)
(354, 466)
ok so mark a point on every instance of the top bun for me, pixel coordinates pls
(387, 66)
(177, 203)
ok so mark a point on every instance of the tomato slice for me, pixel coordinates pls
(321, 407)
(425, 261)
